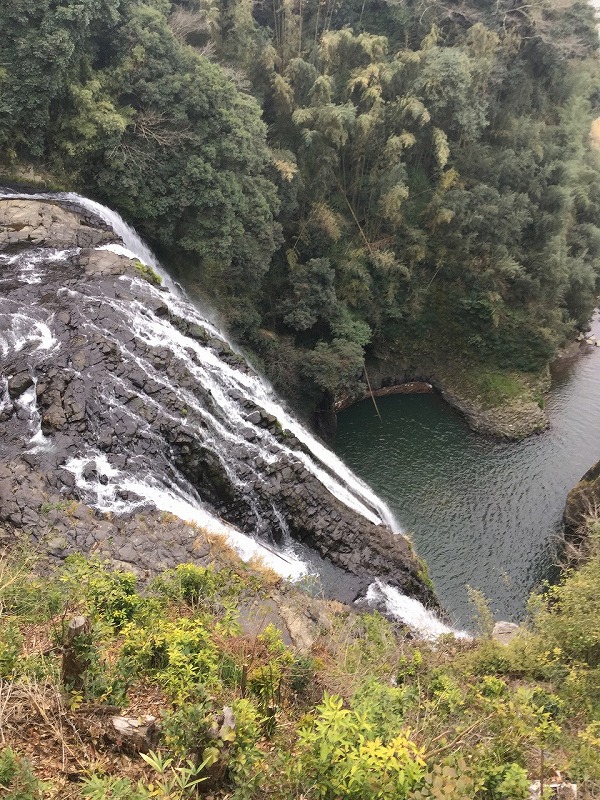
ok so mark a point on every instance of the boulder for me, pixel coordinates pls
(35, 222)
(17, 384)
(503, 632)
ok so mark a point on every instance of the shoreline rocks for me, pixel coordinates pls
(513, 421)
(582, 501)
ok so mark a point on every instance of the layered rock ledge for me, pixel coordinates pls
(513, 418)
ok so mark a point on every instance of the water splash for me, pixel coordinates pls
(27, 403)
(411, 612)
(19, 330)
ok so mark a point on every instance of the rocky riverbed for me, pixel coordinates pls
(117, 394)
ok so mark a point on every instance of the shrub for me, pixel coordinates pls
(453, 779)
(339, 756)
(187, 731)
(192, 584)
(181, 655)
(10, 648)
(23, 594)
(193, 732)
(301, 674)
(17, 780)
(245, 758)
(384, 706)
(110, 594)
(147, 273)
(508, 783)
(567, 616)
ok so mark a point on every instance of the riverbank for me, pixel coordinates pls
(583, 502)
(508, 405)
(503, 404)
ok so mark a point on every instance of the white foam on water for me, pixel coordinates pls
(104, 496)
(132, 241)
(5, 400)
(28, 402)
(411, 612)
(40, 443)
(19, 330)
(119, 250)
(221, 377)
(29, 265)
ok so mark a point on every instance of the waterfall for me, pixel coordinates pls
(410, 611)
(340, 480)
(219, 399)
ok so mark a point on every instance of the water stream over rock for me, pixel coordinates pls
(118, 392)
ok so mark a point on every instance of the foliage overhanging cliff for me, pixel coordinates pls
(423, 182)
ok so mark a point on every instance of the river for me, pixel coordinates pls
(482, 512)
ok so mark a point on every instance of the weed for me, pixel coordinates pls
(147, 273)
(17, 779)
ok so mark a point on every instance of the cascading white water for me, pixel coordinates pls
(19, 330)
(27, 402)
(106, 490)
(410, 611)
(222, 380)
(103, 485)
(133, 243)
(333, 473)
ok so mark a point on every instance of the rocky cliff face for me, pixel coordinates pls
(582, 501)
(118, 398)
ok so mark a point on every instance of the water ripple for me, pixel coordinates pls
(482, 512)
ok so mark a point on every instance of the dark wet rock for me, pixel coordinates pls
(19, 383)
(255, 418)
(583, 501)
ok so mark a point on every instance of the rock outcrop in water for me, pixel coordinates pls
(583, 501)
(119, 398)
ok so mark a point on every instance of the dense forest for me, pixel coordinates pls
(341, 179)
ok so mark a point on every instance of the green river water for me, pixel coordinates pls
(482, 512)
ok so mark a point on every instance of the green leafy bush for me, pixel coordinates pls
(567, 617)
(193, 731)
(180, 655)
(452, 779)
(339, 756)
(508, 783)
(187, 731)
(10, 647)
(17, 780)
(24, 594)
(110, 594)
